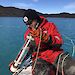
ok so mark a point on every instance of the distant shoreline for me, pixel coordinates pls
(16, 12)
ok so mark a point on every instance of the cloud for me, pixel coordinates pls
(20, 5)
(35, 0)
(70, 6)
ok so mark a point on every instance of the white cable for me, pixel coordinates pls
(73, 51)
(63, 63)
(57, 70)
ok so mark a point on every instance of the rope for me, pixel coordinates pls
(58, 63)
(63, 63)
(73, 51)
(37, 49)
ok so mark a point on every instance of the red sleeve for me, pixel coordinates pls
(55, 35)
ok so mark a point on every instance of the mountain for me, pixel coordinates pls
(16, 12)
(62, 15)
(11, 11)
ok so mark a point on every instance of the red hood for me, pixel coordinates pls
(43, 22)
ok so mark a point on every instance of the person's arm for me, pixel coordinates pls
(55, 37)
(51, 36)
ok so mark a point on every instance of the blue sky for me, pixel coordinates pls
(44, 6)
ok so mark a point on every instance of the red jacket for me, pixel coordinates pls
(48, 51)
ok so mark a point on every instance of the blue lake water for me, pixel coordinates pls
(12, 31)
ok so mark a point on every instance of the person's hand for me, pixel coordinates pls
(45, 37)
(34, 32)
(12, 67)
(11, 63)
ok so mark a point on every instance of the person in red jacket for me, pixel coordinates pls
(47, 41)
(48, 58)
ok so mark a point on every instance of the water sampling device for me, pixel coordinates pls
(21, 55)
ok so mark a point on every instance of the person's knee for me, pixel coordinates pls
(42, 67)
